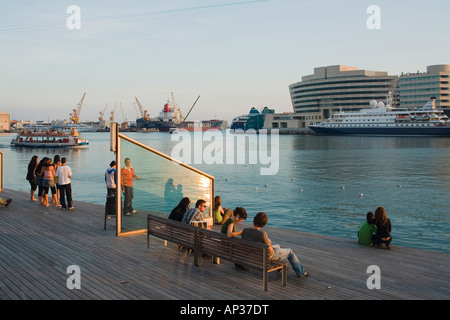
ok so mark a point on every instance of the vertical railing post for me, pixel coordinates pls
(115, 146)
(1, 171)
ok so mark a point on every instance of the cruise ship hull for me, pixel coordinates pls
(383, 131)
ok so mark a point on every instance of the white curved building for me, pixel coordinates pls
(338, 88)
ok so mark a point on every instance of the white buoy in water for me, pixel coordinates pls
(361, 194)
(256, 188)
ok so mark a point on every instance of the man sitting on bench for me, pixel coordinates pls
(275, 252)
(195, 214)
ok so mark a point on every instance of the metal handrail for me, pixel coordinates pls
(164, 156)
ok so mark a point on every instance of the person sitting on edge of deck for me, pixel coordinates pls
(229, 226)
(4, 203)
(275, 252)
(195, 214)
(367, 230)
(384, 229)
(221, 214)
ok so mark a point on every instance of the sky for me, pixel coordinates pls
(234, 54)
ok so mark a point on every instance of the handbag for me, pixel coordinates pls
(51, 183)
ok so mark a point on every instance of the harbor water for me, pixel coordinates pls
(324, 184)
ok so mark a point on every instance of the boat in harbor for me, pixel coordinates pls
(385, 120)
(49, 139)
(170, 117)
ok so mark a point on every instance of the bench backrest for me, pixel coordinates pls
(240, 251)
(171, 230)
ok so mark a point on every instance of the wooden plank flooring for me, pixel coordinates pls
(38, 244)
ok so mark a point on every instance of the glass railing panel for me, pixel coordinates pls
(159, 185)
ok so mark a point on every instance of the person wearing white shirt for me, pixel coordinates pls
(64, 174)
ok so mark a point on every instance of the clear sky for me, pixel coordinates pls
(235, 54)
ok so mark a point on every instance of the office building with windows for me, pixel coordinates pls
(415, 89)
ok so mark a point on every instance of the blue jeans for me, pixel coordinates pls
(288, 254)
(128, 202)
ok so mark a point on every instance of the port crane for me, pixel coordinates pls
(145, 116)
(124, 119)
(111, 118)
(75, 115)
(102, 113)
(184, 119)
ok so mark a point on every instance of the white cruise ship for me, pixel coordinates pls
(384, 119)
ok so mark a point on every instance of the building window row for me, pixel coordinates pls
(419, 84)
(340, 82)
(420, 78)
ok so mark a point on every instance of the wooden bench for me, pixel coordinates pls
(202, 241)
(242, 252)
(183, 234)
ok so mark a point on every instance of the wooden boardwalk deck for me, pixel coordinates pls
(38, 244)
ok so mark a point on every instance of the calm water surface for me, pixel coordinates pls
(324, 185)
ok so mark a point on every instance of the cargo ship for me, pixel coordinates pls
(171, 118)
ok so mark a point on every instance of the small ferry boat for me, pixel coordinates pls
(49, 139)
(384, 119)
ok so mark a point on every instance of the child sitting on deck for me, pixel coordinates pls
(366, 230)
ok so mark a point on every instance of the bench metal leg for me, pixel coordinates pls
(265, 279)
(197, 258)
(284, 276)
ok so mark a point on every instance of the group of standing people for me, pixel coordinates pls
(229, 219)
(376, 230)
(50, 175)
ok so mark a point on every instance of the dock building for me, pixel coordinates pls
(338, 88)
(415, 89)
(5, 119)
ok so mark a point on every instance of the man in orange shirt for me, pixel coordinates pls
(128, 175)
